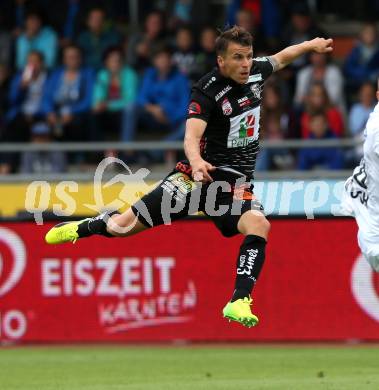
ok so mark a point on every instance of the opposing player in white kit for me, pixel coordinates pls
(360, 198)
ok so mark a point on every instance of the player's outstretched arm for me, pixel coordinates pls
(194, 131)
(290, 53)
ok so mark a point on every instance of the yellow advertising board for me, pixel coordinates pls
(68, 198)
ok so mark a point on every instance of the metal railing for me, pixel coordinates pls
(165, 145)
(160, 171)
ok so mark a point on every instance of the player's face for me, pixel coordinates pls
(236, 62)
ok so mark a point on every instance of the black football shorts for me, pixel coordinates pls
(177, 196)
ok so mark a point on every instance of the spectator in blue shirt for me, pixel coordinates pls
(362, 64)
(68, 97)
(358, 116)
(361, 110)
(162, 100)
(319, 157)
(36, 37)
(97, 38)
(25, 102)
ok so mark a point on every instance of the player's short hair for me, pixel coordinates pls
(235, 34)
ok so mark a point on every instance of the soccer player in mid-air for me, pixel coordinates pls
(221, 144)
(360, 198)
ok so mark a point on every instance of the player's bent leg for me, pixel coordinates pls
(120, 225)
(254, 225)
(254, 222)
(125, 224)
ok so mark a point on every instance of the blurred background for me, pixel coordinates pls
(89, 72)
(82, 80)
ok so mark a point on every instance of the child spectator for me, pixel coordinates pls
(320, 157)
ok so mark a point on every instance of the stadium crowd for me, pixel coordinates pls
(80, 72)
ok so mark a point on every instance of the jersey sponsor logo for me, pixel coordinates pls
(194, 108)
(244, 101)
(226, 107)
(179, 185)
(222, 92)
(244, 129)
(256, 90)
(254, 78)
(209, 82)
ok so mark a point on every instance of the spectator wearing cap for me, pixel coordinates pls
(162, 100)
(68, 97)
(97, 38)
(115, 88)
(38, 38)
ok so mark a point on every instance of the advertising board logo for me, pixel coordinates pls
(132, 292)
(363, 287)
(12, 261)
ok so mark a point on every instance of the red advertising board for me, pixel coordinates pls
(172, 282)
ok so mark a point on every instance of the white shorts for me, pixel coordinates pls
(353, 204)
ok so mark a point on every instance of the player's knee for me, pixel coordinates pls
(263, 224)
(254, 223)
(122, 225)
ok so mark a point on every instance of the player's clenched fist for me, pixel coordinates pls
(322, 45)
(200, 169)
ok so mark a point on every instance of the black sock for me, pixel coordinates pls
(249, 265)
(96, 225)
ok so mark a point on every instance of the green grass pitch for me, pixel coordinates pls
(120, 367)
